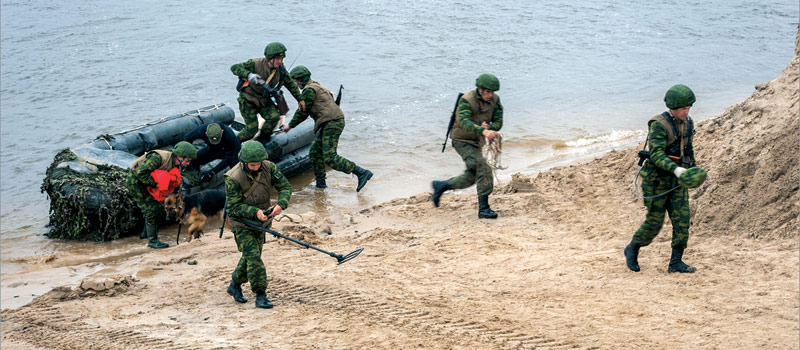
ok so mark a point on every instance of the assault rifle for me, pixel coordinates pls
(452, 121)
(339, 95)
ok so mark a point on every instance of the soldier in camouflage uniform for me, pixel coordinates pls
(255, 76)
(480, 114)
(139, 179)
(671, 153)
(247, 187)
(328, 126)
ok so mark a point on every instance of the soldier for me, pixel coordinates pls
(480, 113)
(221, 143)
(139, 179)
(671, 153)
(256, 76)
(247, 187)
(328, 126)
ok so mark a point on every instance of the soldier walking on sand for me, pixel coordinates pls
(479, 116)
(140, 179)
(261, 80)
(665, 179)
(328, 126)
(247, 188)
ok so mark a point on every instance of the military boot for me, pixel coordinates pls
(484, 211)
(143, 235)
(235, 291)
(439, 188)
(321, 183)
(152, 236)
(264, 137)
(263, 302)
(676, 263)
(632, 256)
(363, 176)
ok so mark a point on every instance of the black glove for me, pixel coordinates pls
(206, 175)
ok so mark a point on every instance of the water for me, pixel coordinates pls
(577, 78)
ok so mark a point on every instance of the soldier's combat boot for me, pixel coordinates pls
(484, 211)
(321, 183)
(143, 235)
(363, 176)
(676, 263)
(263, 302)
(632, 256)
(235, 291)
(152, 236)
(439, 187)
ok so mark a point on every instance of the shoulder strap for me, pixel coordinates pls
(253, 186)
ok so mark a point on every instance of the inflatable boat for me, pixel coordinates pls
(87, 187)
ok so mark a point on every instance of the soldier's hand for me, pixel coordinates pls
(485, 125)
(489, 134)
(286, 128)
(260, 215)
(302, 105)
(207, 175)
(678, 171)
(255, 79)
(276, 210)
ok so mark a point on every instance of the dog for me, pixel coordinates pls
(194, 209)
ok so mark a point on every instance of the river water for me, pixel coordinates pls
(577, 78)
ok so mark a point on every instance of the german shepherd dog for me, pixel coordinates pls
(194, 209)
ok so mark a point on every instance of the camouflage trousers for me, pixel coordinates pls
(676, 203)
(323, 150)
(477, 171)
(151, 209)
(250, 114)
(250, 267)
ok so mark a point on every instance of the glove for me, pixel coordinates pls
(255, 79)
(679, 170)
(206, 175)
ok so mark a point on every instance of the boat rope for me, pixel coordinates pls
(195, 113)
(491, 151)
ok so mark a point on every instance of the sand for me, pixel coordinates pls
(549, 273)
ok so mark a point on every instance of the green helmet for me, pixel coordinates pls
(692, 177)
(300, 73)
(679, 96)
(184, 149)
(488, 82)
(274, 50)
(252, 151)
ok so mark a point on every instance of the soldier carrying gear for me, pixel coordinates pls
(140, 178)
(247, 188)
(479, 115)
(221, 143)
(328, 126)
(261, 80)
(665, 172)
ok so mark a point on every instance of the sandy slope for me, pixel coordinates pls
(548, 274)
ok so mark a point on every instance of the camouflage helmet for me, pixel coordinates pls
(252, 152)
(274, 50)
(488, 82)
(679, 96)
(299, 73)
(184, 149)
(692, 177)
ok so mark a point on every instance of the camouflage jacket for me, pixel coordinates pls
(464, 112)
(241, 70)
(658, 154)
(235, 197)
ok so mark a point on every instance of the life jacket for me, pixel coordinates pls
(677, 134)
(166, 160)
(167, 181)
(324, 108)
(481, 112)
(274, 78)
(255, 188)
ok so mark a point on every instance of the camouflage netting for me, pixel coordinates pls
(89, 206)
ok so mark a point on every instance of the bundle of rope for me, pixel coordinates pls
(491, 151)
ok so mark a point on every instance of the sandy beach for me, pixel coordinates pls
(548, 274)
